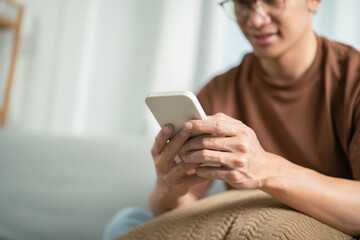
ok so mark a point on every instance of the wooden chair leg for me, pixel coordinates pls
(17, 28)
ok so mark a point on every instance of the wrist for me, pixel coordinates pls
(164, 191)
(161, 202)
(281, 174)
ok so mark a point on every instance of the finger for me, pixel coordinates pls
(211, 142)
(224, 174)
(192, 180)
(170, 150)
(179, 172)
(185, 184)
(161, 139)
(210, 156)
(216, 125)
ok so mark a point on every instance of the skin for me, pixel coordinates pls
(294, 45)
(173, 179)
(245, 164)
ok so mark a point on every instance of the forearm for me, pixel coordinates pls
(160, 203)
(333, 201)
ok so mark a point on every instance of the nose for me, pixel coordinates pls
(258, 18)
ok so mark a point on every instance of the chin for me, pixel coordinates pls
(268, 52)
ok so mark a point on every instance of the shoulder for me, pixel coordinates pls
(342, 65)
(341, 49)
(340, 56)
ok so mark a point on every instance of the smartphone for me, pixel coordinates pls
(175, 108)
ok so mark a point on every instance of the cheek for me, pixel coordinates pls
(294, 20)
(293, 29)
(242, 26)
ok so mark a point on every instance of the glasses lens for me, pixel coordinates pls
(242, 8)
(273, 7)
(229, 9)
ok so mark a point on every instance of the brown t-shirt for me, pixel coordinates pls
(313, 121)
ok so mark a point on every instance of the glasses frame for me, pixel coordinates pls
(253, 5)
(222, 4)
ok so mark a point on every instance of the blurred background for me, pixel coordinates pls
(85, 66)
(76, 144)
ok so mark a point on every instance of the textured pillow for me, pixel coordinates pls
(235, 215)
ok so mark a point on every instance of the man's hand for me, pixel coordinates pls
(232, 144)
(175, 177)
(245, 164)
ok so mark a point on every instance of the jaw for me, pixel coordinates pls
(269, 46)
(282, 44)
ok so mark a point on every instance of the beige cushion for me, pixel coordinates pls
(235, 215)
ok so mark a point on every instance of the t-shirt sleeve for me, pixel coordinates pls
(355, 145)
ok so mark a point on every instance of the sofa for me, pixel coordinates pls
(62, 187)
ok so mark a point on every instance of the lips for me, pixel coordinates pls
(263, 38)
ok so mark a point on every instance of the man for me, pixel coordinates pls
(286, 121)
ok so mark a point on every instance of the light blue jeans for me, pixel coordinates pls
(125, 220)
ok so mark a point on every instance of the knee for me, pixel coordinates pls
(128, 213)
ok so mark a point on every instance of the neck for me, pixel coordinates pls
(295, 62)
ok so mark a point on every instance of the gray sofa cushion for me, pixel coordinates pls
(69, 188)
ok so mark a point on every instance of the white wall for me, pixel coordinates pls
(85, 66)
(339, 21)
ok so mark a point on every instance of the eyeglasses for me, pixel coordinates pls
(236, 9)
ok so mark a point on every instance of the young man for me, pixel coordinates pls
(286, 121)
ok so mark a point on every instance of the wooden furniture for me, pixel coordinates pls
(15, 24)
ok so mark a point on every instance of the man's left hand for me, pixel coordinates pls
(233, 145)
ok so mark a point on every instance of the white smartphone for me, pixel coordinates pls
(174, 108)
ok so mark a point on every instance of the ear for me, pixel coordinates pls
(313, 5)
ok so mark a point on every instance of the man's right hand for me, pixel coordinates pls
(174, 177)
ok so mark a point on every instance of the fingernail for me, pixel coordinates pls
(188, 125)
(167, 130)
(177, 159)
